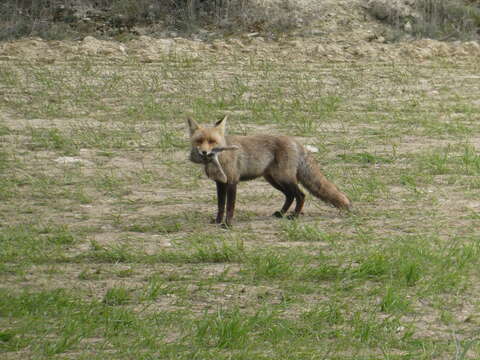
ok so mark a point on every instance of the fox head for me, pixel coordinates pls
(205, 139)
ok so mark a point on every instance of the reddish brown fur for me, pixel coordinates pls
(281, 160)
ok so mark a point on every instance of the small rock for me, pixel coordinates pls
(407, 27)
(65, 160)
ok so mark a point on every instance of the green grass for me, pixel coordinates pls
(114, 256)
(117, 296)
(34, 242)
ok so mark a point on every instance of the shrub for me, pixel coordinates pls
(447, 19)
(436, 19)
(240, 15)
(55, 19)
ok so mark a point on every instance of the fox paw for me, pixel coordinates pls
(278, 214)
(226, 226)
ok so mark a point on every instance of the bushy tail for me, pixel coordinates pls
(316, 183)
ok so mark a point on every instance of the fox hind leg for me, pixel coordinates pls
(289, 196)
(299, 196)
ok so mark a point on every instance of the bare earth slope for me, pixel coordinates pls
(341, 31)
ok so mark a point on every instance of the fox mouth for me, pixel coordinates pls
(210, 156)
(206, 157)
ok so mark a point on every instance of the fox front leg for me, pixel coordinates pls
(231, 197)
(221, 200)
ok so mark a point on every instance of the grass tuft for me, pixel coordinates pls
(117, 296)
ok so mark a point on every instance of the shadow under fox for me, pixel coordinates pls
(281, 160)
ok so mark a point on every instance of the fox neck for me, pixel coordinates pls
(222, 142)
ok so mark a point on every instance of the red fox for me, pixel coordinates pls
(281, 160)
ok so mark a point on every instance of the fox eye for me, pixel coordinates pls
(211, 141)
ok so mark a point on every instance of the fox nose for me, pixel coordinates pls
(204, 153)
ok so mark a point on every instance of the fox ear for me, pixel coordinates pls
(220, 124)
(192, 125)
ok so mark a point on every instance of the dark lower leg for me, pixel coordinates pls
(299, 196)
(221, 197)
(288, 202)
(231, 197)
(300, 201)
(288, 196)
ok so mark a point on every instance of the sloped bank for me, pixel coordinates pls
(148, 49)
